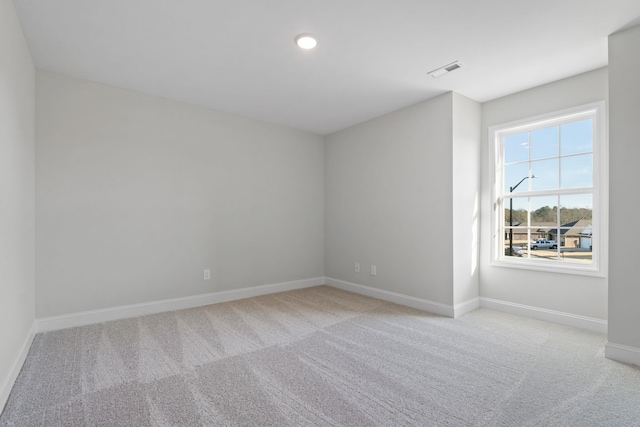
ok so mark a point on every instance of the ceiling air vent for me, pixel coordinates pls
(444, 70)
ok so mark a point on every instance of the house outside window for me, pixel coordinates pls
(547, 201)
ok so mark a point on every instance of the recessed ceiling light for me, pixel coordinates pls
(306, 41)
(444, 70)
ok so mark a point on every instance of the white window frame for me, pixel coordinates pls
(600, 199)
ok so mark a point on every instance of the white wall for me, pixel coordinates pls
(466, 198)
(576, 295)
(136, 195)
(17, 115)
(390, 198)
(624, 101)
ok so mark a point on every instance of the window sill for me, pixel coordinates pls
(550, 267)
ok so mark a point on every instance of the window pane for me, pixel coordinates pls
(542, 244)
(576, 213)
(575, 208)
(516, 215)
(544, 213)
(513, 174)
(546, 175)
(544, 143)
(577, 171)
(575, 245)
(515, 212)
(544, 218)
(576, 137)
(577, 255)
(516, 147)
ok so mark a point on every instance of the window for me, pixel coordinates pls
(547, 212)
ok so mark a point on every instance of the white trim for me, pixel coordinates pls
(549, 266)
(419, 303)
(6, 387)
(549, 119)
(622, 353)
(598, 267)
(466, 307)
(134, 310)
(562, 318)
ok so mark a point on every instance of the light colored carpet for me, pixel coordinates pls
(322, 357)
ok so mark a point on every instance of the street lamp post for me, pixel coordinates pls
(511, 190)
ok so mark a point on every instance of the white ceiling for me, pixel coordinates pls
(372, 57)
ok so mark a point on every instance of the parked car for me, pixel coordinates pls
(543, 244)
(516, 252)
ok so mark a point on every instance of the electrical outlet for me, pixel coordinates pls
(373, 270)
(357, 267)
(207, 274)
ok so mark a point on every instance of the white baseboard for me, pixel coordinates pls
(567, 319)
(622, 353)
(7, 385)
(466, 307)
(419, 303)
(134, 310)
